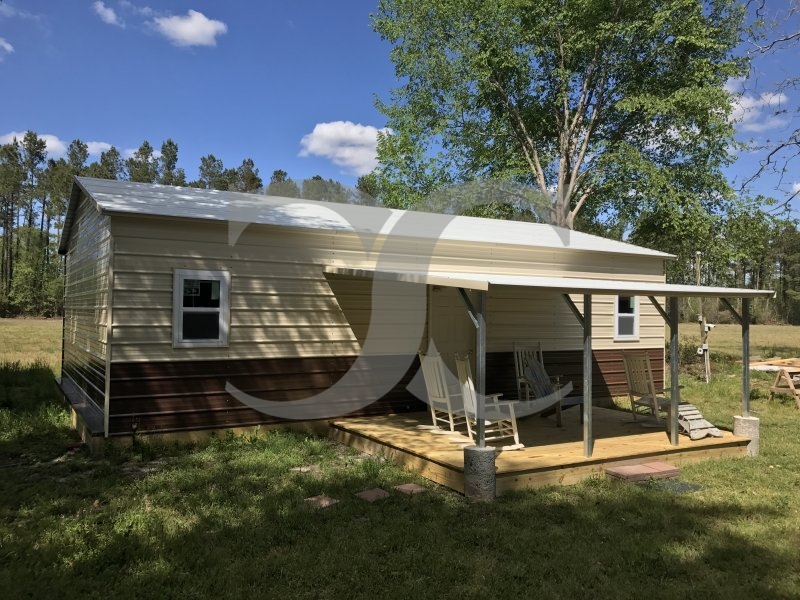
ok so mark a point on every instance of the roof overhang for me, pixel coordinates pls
(565, 285)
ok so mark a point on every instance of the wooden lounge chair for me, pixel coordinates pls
(641, 386)
(499, 419)
(446, 403)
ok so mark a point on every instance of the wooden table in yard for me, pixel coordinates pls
(784, 384)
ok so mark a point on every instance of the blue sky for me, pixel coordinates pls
(290, 84)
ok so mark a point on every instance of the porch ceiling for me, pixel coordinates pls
(567, 285)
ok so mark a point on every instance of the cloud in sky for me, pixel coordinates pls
(191, 29)
(5, 48)
(107, 14)
(346, 144)
(144, 11)
(8, 11)
(55, 146)
(796, 188)
(756, 113)
(96, 148)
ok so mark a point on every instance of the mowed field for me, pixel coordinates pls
(28, 341)
(766, 341)
(229, 519)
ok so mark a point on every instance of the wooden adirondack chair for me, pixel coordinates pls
(446, 404)
(499, 419)
(641, 386)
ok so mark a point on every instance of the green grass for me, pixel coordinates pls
(766, 341)
(228, 519)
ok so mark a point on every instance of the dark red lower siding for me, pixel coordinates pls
(190, 395)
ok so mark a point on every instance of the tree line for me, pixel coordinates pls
(34, 196)
(742, 246)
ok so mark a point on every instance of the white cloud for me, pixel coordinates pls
(757, 113)
(107, 14)
(97, 148)
(55, 146)
(192, 29)
(5, 48)
(347, 144)
(734, 85)
(8, 11)
(144, 11)
(796, 188)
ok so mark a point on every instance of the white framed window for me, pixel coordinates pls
(200, 309)
(626, 318)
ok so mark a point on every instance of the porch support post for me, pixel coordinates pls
(480, 370)
(478, 317)
(745, 321)
(675, 398)
(745, 425)
(588, 440)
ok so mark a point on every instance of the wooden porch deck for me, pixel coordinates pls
(552, 455)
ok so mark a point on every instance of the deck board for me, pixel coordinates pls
(552, 455)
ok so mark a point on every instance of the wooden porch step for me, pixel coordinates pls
(650, 470)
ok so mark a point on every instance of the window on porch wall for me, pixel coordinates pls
(626, 318)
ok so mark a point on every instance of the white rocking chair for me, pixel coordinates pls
(499, 420)
(446, 405)
(642, 387)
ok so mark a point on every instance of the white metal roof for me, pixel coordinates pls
(569, 285)
(124, 197)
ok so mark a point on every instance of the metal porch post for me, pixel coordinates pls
(745, 321)
(588, 440)
(673, 369)
(480, 369)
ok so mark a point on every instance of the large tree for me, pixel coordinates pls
(607, 106)
(143, 165)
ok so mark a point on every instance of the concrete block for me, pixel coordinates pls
(480, 482)
(748, 427)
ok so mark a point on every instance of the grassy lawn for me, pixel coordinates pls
(228, 520)
(767, 341)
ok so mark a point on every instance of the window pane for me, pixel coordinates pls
(201, 293)
(625, 325)
(201, 326)
(626, 305)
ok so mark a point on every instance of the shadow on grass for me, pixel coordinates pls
(230, 520)
(34, 422)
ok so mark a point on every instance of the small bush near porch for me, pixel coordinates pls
(229, 519)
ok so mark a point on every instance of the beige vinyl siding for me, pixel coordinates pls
(529, 314)
(282, 305)
(86, 302)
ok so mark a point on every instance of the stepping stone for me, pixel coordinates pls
(306, 469)
(321, 501)
(373, 494)
(651, 470)
(409, 488)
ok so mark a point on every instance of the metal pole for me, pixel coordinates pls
(673, 367)
(588, 440)
(745, 357)
(480, 368)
